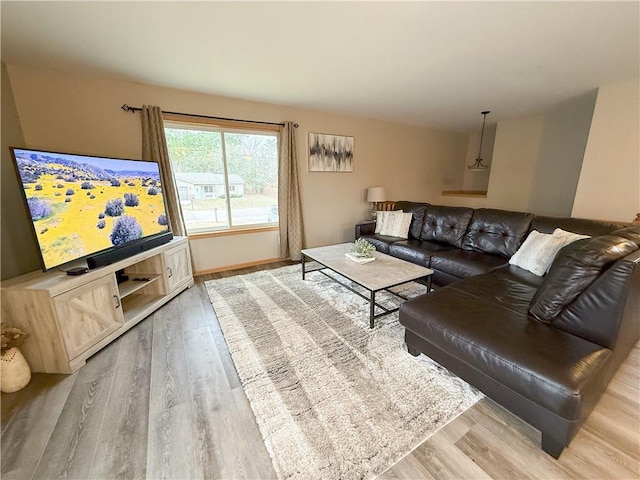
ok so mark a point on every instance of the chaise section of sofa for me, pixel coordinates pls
(551, 373)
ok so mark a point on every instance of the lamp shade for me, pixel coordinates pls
(376, 194)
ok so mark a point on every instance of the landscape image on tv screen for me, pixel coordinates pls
(80, 205)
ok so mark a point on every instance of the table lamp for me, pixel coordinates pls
(375, 195)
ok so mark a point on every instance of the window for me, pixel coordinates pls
(226, 177)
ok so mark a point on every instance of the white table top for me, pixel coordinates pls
(385, 271)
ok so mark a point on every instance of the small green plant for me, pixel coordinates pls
(11, 337)
(362, 248)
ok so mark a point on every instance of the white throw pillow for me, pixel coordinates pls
(569, 237)
(381, 219)
(396, 224)
(537, 252)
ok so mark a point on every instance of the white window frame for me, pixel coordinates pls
(183, 122)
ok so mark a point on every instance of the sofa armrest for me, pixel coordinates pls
(368, 227)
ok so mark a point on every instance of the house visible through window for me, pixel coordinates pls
(226, 177)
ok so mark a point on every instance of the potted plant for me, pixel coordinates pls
(14, 369)
(363, 249)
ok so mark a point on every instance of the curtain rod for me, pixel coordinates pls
(127, 108)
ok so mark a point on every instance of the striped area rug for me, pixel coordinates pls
(333, 399)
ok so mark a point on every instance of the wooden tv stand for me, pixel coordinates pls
(69, 318)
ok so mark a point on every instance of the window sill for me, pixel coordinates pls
(234, 231)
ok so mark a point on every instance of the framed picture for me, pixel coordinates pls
(330, 153)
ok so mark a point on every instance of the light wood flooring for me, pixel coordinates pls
(164, 401)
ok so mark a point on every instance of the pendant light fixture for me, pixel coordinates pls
(478, 165)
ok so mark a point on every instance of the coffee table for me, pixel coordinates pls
(381, 274)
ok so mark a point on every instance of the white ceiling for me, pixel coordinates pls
(424, 63)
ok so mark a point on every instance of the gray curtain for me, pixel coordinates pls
(154, 147)
(289, 205)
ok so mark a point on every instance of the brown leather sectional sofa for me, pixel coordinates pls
(543, 347)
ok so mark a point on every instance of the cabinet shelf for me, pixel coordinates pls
(135, 305)
(131, 286)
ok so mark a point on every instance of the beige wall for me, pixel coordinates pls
(562, 145)
(19, 253)
(609, 185)
(512, 167)
(479, 179)
(235, 250)
(536, 160)
(81, 114)
(514, 161)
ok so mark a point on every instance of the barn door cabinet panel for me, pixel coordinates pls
(89, 313)
(178, 267)
(69, 318)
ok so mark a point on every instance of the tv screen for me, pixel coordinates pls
(80, 205)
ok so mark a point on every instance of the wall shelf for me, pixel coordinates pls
(465, 193)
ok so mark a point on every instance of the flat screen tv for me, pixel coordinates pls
(86, 207)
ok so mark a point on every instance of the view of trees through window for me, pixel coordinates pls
(225, 178)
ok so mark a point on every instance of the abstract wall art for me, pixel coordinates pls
(330, 153)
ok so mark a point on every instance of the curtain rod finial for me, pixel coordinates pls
(127, 108)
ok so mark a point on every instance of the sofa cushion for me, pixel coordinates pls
(417, 209)
(596, 313)
(631, 232)
(466, 263)
(381, 242)
(499, 232)
(409, 206)
(575, 267)
(446, 224)
(502, 287)
(552, 368)
(578, 225)
(520, 275)
(442, 279)
(416, 251)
